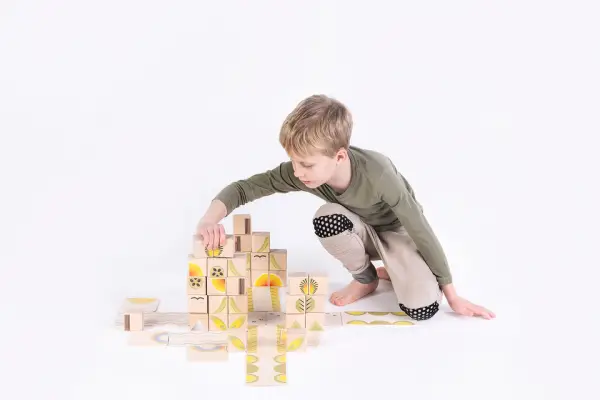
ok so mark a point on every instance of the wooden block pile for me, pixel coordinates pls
(219, 280)
(306, 297)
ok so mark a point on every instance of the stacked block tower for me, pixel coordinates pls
(220, 280)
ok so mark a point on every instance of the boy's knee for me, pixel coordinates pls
(330, 220)
(422, 313)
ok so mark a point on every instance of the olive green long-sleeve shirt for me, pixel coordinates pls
(377, 193)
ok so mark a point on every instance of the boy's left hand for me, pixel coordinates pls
(464, 307)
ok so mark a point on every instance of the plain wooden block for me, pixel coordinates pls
(297, 283)
(237, 321)
(196, 285)
(239, 265)
(257, 318)
(197, 304)
(238, 304)
(236, 285)
(261, 242)
(318, 284)
(315, 303)
(278, 260)
(295, 321)
(259, 261)
(315, 321)
(198, 321)
(202, 250)
(243, 243)
(196, 265)
(218, 322)
(133, 321)
(242, 224)
(216, 286)
(217, 304)
(295, 303)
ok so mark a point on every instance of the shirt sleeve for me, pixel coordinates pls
(400, 198)
(280, 179)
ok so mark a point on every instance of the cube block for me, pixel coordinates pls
(261, 242)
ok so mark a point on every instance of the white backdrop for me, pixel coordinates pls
(120, 120)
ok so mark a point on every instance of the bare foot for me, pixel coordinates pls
(383, 274)
(351, 293)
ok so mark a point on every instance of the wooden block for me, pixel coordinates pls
(315, 321)
(261, 242)
(397, 318)
(239, 265)
(207, 352)
(278, 278)
(148, 338)
(196, 265)
(242, 243)
(217, 304)
(198, 322)
(237, 340)
(267, 278)
(216, 286)
(201, 250)
(242, 224)
(238, 304)
(296, 340)
(218, 322)
(259, 261)
(236, 285)
(297, 283)
(238, 321)
(217, 267)
(333, 319)
(295, 321)
(196, 285)
(197, 304)
(133, 321)
(276, 319)
(139, 304)
(257, 318)
(278, 260)
(315, 303)
(295, 303)
(318, 284)
(264, 299)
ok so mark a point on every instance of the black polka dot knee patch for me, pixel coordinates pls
(329, 225)
(422, 313)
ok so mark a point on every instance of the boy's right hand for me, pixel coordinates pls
(212, 234)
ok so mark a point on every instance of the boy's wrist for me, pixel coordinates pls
(449, 291)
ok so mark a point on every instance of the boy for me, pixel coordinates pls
(370, 213)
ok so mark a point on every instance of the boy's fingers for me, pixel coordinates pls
(222, 231)
(216, 237)
(209, 239)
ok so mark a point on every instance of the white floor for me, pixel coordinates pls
(73, 352)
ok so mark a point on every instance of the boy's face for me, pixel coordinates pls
(316, 169)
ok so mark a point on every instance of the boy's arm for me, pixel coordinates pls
(280, 179)
(399, 197)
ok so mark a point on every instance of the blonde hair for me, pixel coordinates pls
(318, 124)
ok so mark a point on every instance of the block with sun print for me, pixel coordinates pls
(222, 250)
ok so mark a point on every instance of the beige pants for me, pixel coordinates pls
(356, 244)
